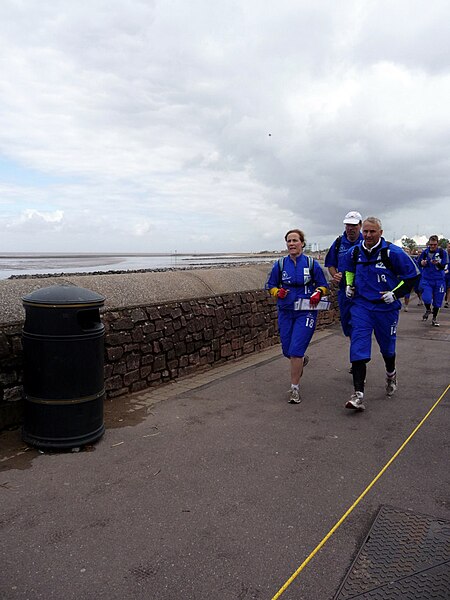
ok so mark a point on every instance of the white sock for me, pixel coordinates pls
(294, 387)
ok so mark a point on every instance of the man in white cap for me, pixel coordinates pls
(334, 261)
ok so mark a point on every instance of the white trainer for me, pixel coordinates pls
(294, 396)
(391, 385)
(356, 401)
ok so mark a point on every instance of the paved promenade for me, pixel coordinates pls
(214, 488)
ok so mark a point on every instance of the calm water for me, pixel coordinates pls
(36, 264)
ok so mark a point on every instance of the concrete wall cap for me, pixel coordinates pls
(136, 289)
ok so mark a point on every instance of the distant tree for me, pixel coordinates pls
(410, 244)
(443, 242)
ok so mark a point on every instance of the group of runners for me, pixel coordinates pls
(372, 276)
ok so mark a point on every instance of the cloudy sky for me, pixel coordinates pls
(215, 126)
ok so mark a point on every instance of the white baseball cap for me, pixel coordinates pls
(352, 218)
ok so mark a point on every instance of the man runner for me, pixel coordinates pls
(377, 275)
(433, 261)
(334, 261)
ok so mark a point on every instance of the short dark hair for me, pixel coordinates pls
(301, 235)
(433, 238)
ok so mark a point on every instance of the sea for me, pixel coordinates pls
(24, 264)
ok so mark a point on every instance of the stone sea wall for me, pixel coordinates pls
(11, 365)
(150, 344)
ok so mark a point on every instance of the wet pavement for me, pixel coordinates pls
(215, 487)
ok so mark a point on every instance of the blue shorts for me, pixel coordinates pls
(345, 305)
(296, 329)
(433, 292)
(366, 321)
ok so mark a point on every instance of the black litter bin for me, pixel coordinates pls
(63, 340)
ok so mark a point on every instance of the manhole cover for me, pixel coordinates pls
(405, 556)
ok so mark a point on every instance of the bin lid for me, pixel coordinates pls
(64, 295)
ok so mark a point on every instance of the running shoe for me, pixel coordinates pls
(294, 396)
(426, 315)
(434, 323)
(391, 385)
(406, 309)
(356, 401)
(446, 305)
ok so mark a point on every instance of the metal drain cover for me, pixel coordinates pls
(406, 556)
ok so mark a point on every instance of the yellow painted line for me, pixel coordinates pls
(368, 488)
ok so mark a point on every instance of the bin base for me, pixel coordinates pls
(62, 444)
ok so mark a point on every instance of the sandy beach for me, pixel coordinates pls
(25, 264)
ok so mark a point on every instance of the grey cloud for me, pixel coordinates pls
(162, 113)
(413, 33)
